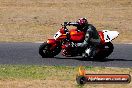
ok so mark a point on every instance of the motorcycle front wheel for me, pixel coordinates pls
(45, 50)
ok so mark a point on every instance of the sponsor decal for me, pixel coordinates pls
(83, 78)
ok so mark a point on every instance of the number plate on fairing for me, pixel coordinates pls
(110, 35)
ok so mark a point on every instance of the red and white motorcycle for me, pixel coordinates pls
(64, 39)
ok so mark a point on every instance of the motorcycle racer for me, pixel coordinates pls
(84, 40)
(91, 40)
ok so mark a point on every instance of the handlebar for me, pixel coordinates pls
(64, 26)
(69, 24)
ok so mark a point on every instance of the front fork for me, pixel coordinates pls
(53, 43)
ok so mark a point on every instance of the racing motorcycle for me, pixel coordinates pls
(65, 40)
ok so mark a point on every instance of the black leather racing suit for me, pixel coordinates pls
(91, 39)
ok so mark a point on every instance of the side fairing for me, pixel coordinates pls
(110, 35)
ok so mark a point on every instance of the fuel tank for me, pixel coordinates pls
(77, 36)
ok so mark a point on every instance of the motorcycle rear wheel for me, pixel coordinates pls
(107, 49)
(45, 52)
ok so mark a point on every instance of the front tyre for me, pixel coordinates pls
(45, 50)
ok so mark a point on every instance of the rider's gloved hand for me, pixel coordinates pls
(67, 23)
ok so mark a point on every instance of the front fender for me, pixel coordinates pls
(51, 41)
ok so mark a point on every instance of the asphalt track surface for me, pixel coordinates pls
(27, 54)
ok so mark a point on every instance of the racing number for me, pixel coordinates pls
(108, 38)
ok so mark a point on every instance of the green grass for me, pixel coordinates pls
(36, 72)
(58, 76)
(52, 72)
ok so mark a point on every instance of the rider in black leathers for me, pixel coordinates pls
(91, 37)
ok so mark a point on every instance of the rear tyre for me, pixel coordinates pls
(105, 51)
(45, 52)
(108, 49)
